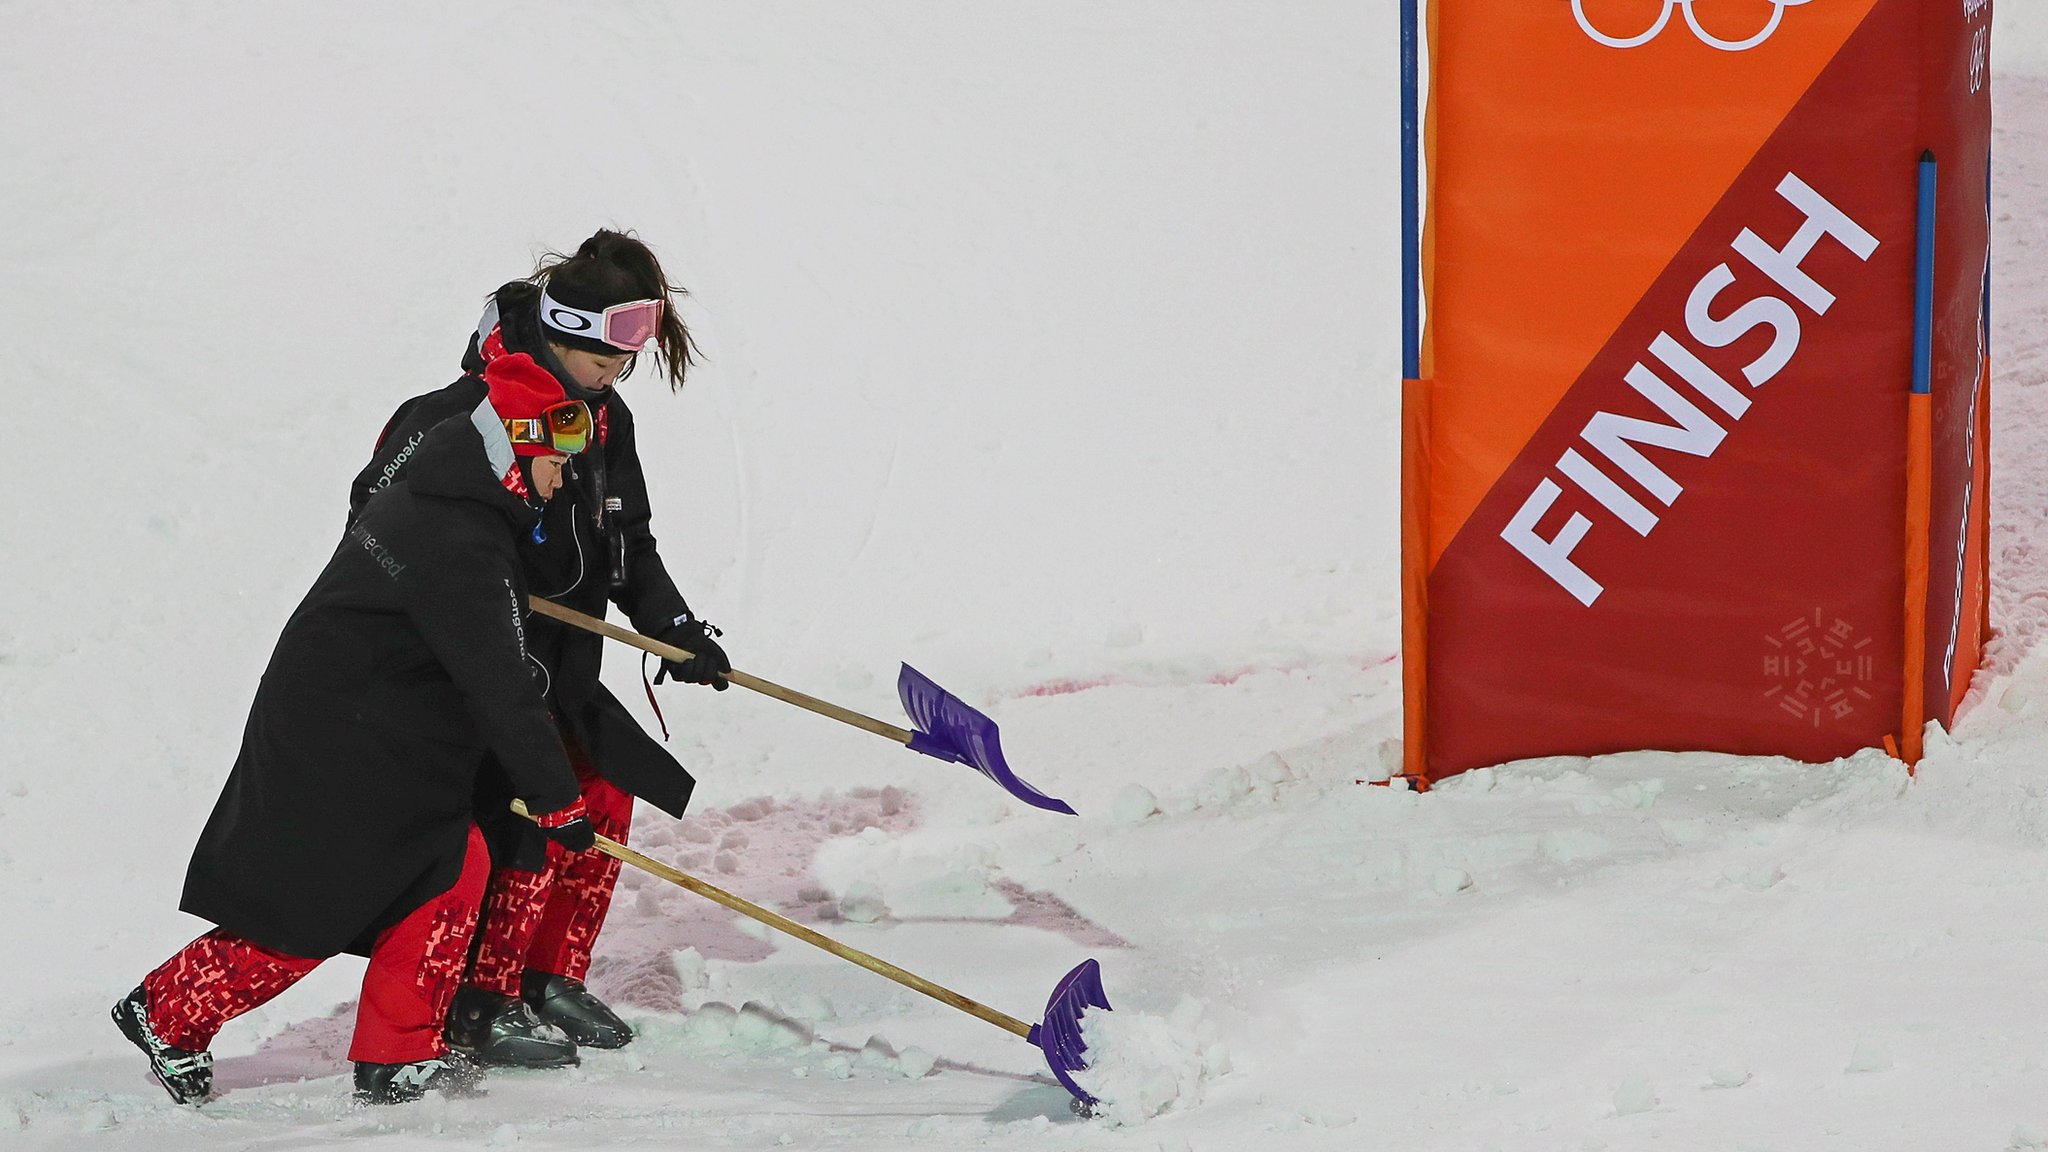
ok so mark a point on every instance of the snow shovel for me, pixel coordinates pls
(1057, 1036)
(947, 728)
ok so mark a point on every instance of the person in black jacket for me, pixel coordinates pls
(585, 318)
(346, 824)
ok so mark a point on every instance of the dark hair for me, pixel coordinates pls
(612, 268)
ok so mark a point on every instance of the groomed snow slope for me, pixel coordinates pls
(1048, 349)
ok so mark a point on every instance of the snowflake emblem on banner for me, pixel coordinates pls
(1818, 669)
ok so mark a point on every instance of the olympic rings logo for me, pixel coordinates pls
(1664, 18)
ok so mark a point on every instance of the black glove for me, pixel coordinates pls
(569, 827)
(707, 664)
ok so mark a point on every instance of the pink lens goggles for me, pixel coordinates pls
(627, 327)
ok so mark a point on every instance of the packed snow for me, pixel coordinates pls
(1051, 348)
(1141, 1065)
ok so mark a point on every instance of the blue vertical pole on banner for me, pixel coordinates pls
(1411, 195)
(1923, 283)
(1919, 476)
(1984, 310)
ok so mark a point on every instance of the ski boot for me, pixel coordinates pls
(568, 1005)
(502, 1030)
(453, 1074)
(187, 1076)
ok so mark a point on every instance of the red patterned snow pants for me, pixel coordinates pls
(548, 920)
(415, 966)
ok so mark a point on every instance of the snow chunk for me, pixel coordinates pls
(648, 903)
(762, 1028)
(711, 1025)
(1272, 768)
(505, 1136)
(1140, 1065)
(1728, 1076)
(878, 1053)
(1635, 1095)
(915, 1063)
(862, 903)
(1450, 881)
(1133, 804)
(691, 970)
(1226, 785)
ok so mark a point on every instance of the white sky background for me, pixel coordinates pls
(1033, 333)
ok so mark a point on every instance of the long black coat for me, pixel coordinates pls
(351, 802)
(571, 563)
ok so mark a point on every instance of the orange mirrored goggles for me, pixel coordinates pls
(564, 428)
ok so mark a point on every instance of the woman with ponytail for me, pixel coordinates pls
(587, 318)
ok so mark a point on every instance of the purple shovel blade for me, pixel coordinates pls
(1059, 1037)
(949, 730)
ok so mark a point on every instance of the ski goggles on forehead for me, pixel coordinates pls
(564, 428)
(627, 327)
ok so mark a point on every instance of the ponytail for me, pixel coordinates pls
(614, 267)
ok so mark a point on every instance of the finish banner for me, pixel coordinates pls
(1696, 426)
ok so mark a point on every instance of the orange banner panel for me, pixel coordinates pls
(1682, 266)
(1565, 176)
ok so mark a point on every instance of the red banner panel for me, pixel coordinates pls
(1666, 486)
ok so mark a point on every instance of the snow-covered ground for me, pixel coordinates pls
(1050, 348)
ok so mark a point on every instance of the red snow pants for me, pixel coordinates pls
(548, 920)
(415, 966)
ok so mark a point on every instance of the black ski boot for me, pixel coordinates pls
(452, 1075)
(503, 1030)
(568, 1005)
(187, 1076)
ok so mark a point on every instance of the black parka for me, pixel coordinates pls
(570, 561)
(351, 801)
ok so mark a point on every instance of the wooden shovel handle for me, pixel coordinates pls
(780, 923)
(590, 623)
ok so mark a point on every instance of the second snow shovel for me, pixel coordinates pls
(1057, 1035)
(947, 728)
